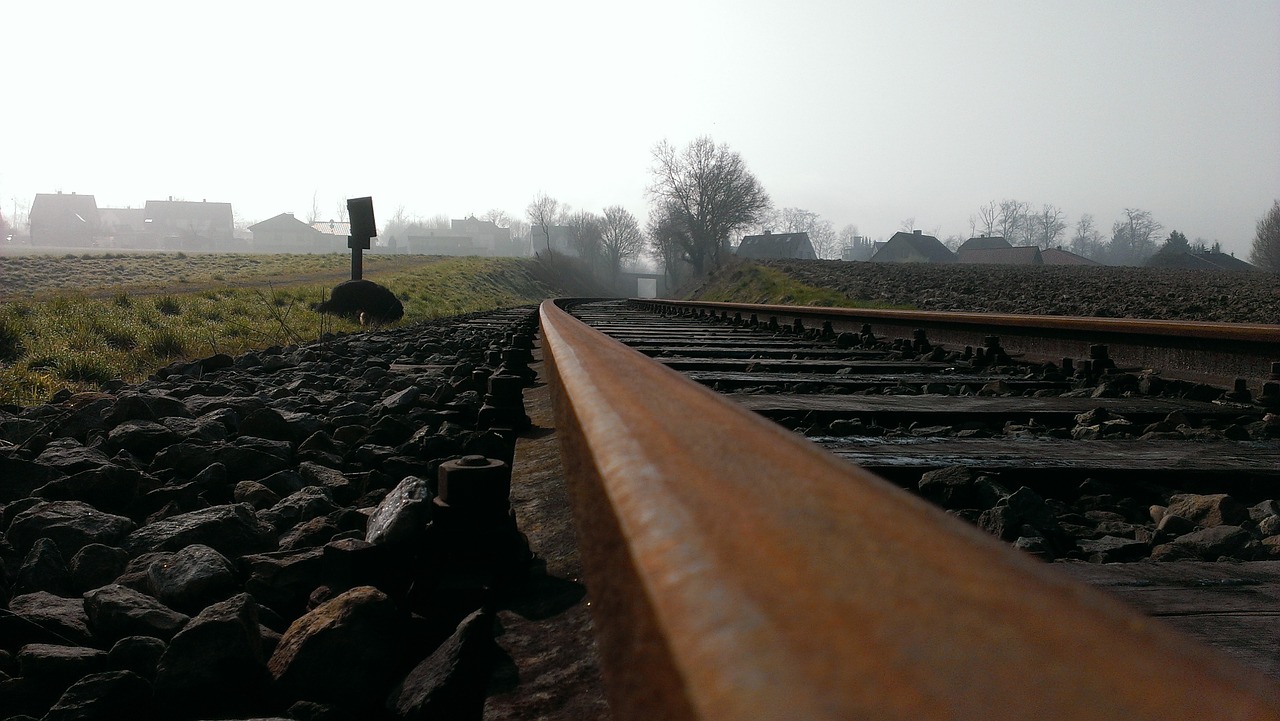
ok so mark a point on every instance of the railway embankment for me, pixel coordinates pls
(303, 530)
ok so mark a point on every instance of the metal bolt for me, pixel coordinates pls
(475, 484)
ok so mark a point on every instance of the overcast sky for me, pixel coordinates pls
(866, 112)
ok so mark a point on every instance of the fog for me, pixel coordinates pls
(879, 115)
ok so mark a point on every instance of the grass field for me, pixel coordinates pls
(129, 315)
(25, 275)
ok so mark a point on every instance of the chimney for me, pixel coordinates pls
(918, 232)
(170, 198)
(768, 232)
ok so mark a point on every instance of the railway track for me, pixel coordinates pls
(758, 565)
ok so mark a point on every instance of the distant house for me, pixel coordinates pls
(485, 235)
(995, 250)
(1199, 260)
(286, 234)
(983, 242)
(64, 219)
(1058, 256)
(769, 245)
(334, 234)
(123, 228)
(913, 247)
(188, 225)
(862, 248)
(468, 236)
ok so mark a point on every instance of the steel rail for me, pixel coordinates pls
(738, 572)
(1214, 352)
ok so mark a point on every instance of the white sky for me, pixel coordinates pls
(865, 112)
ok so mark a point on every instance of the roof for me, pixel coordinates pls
(333, 227)
(913, 247)
(1202, 260)
(777, 245)
(1058, 256)
(65, 203)
(165, 213)
(1007, 255)
(984, 242)
(284, 221)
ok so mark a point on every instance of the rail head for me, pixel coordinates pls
(1216, 353)
(1102, 327)
(738, 572)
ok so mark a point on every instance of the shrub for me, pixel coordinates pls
(11, 345)
(85, 368)
(167, 343)
(121, 299)
(117, 336)
(168, 305)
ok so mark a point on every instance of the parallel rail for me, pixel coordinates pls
(739, 572)
(1212, 352)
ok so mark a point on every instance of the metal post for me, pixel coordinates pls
(357, 256)
(363, 228)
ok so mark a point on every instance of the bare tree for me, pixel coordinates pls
(1050, 223)
(314, 215)
(520, 234)
(1087, 241)
(668, 239)
(1133, 237)
(543, 212)
(397, 225)
(1011, 223)
(988, 219)
(620, 238)
(1265, 252)
(907, 225)
(342, 210)
(584, 235)
(858, 247)
(822, 233)
(498, 217)
(710, 192)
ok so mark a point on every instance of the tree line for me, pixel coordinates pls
(704, 196)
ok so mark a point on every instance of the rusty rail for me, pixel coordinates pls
(1213, 352)
(738, 572)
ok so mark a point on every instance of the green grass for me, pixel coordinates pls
(79, 340)
(23, 275)
(746, 282)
